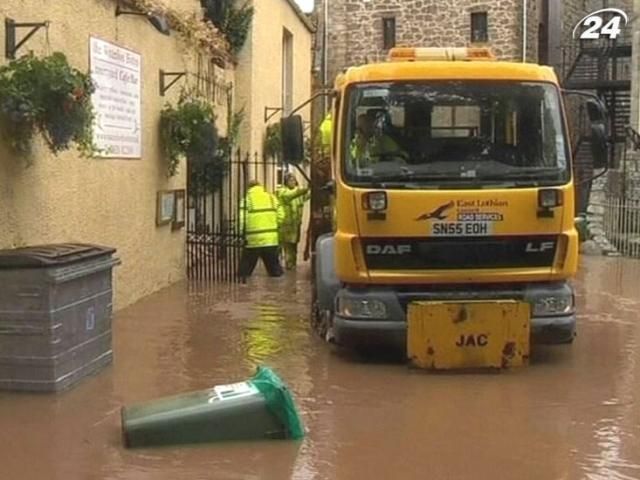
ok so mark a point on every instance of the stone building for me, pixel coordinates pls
(360, 31)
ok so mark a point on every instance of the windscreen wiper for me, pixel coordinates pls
(527, 172)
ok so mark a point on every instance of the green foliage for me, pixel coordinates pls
(234, 22)
(189, 132)
(46, 95)
(272, 147)
(207, 177)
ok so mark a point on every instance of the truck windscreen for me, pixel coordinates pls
(458, 133)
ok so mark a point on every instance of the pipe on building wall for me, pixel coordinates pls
(325, 54)
(524, 30)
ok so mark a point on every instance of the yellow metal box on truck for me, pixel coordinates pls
(468, 335)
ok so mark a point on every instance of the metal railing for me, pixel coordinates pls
(595, 60)
(621, 224)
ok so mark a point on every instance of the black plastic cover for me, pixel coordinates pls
(54, 255)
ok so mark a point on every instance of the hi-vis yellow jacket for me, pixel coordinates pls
(260, 218)
(326, 130)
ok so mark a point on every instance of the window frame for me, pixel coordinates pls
(483, 27)
(348, 110)
(389, 32)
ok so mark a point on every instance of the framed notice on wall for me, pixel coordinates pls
(116, 73)
(165, 208)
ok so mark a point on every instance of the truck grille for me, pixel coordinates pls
(459, 253)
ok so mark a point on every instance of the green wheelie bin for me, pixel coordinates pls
(260, 408)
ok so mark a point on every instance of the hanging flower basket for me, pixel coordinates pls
(189, 132)
(49, 96)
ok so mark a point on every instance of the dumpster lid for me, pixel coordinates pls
(54, 255)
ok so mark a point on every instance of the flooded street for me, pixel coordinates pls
(573, 414)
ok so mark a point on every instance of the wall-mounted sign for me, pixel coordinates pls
(116, 73)
(165, 207)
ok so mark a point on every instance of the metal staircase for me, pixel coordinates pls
(604, 68)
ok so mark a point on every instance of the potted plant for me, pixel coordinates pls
(49, 96)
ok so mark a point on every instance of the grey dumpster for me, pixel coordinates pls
(55, 315)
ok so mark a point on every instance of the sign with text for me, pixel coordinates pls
(604, 23)
(116, 73)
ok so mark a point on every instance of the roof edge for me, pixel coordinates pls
(301, 15)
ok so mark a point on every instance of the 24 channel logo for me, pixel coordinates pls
(595, 28)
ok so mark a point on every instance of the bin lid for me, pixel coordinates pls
(54, 255)
(279, 400)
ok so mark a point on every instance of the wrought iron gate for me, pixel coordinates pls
(214, 236)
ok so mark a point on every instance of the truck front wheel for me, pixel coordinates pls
(321, 320)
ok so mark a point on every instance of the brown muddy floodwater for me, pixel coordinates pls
(573, 414)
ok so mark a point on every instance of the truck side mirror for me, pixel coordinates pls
(599, 139)
(598, 117)
(292, 139)
(599, 146)
(596, 111)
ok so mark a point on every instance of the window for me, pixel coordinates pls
(455, 121)
(467, 132)
(287, 72)
(479, 27)
(389, 32)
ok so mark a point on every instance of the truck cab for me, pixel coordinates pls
(452, 180)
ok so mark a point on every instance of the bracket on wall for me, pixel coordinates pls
(11, 26)
(164, 87)
(270, 112)
(159, 22)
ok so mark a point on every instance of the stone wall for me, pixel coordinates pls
(534, 8)
(356, 32)
(355, 26)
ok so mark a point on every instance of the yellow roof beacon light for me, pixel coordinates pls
(409, 54)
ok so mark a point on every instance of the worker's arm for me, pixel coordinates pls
(291, 194)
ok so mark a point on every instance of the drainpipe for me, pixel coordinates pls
(524, 31)
(325, 60)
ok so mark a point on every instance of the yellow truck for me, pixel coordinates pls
(452, 182)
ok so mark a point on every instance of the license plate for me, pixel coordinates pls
(461, 229)
(467, 335)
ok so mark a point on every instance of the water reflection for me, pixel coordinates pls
(573, 414)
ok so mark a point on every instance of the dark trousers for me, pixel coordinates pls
(269, 256)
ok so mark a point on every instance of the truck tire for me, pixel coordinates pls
(320, 320)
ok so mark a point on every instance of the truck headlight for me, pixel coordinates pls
(356, 308)
(553, 304)
(376, 201)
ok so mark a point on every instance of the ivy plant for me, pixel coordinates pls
(189, 132)
(208, 177)
(233, 21)
(272, 147)
(49, 96)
